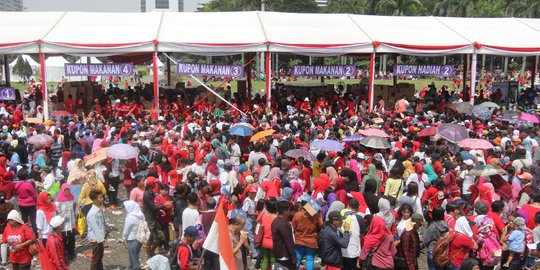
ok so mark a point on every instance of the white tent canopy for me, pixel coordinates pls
(33, 64)
(160, 66)
(54, 68)
(84, 60)
(220, 33)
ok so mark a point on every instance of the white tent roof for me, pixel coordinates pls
(84, 59)
(25, 57)
(84, 33)
(55, 61)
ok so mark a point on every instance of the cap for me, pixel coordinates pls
(251, 188)
(417, 218)
(469, 162)
(520, 222)
(56, 221)
(459, 201)
(306, 99)
(449, 165)
(16, 216)
(150, 181)
(335, 215)
(525, 176)
(192, 231)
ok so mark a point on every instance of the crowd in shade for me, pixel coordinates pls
(316, 182)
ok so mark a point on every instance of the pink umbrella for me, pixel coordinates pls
(475, 144)
(529, 118)
(375, 132)
(427, 132)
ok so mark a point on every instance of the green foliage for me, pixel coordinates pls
(22, 68)
(294, 61)
(270, 5)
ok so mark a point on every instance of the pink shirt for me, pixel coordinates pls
(137, 196)
(26, 194)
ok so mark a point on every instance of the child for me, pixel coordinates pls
(516, 240)
(165, 215)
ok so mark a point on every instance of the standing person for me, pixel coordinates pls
(410, 242)
(5, 208)
(358, 228)
(379, 243)
(191, 215)
(137, 193)
(46, 211)
(282, 237)
(461, 243)
(185, 250)
(436, 228)
(55, 245)
(65, 207)
(306, 228)
(84, 201)
(332, 240)
(150, 210)
(26, 199)
(131, 226)
(164, 216)
(267, 245)
(97, 229)
(18, 237)
(238, 237)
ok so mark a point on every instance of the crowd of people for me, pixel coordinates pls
(352, 208)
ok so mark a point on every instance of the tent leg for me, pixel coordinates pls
(322, 64)
(394, 77)
(534, 69)
(371, 81)
(248, 79)
(268, 78)
(156, 81)
(169, 72)
(88, 60)
(473, 77)
(465, 73)
(44, 87)
(7, 71)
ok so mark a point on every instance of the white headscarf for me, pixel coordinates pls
(385, 211)
(133, 208)
(462, 226)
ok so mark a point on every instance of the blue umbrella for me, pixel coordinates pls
(482, 112)
(353, 138)
(241, 131)
(327, 145)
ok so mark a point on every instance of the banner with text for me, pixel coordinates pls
(118, 69)
(424, 70)
(326, 70)
(202, 69)
(7, 93)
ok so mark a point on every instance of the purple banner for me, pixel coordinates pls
(326, 70)
(118, 69)
(210, 69)
(424, 70)
(7, 93)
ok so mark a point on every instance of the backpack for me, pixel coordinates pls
(490, 252)
(173, 259)
(441, 249)
(143, 233)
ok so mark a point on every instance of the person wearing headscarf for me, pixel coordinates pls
(355, 167)
(372, 174)
(332, 173)
(212, 170)
(17, 233)
(270, 189)
(41, 159)
(419, 177)
(219, 149)
(286, 194)
(319, 186)
(385, 212)
(45, 212)
(351, 179)
(297, 191)
(461, 242)
(485, 195)
(84, 202)
(430, 173)
(292, 177)
(486, 232)
(335, 206)
(65, 207)
(380, 243)
(131, 226)
(340, 191)
(76, 177)
(370, 190)
(408, 169)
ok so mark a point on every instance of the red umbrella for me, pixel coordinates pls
(374, 132)
(61, 113)
(475, 144)
(428, 132)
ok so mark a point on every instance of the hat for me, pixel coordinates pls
(520, 222)
(150, 181)
(16, 216)
(335, 215)
(56, 221)
(251, 188)
(417, 218)
(459, 201)
(192, 231)
(306, 99)
(469, 162)
(525, 176)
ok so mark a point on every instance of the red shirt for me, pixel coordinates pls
(55, 248)
(18, 236)
(184, 254)
(531, 210)
(163, 218)
(459, 248)
(69, 105)
(499, 224)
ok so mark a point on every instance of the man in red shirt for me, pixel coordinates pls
(69, 104)
(495, 214)
(55, 245)
(184, 249)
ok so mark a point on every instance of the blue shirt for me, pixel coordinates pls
(516, 241)
(96, 225)
(15, 159)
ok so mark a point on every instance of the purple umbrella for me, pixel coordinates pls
(452, 132)
(327, 145)
(40, 139)
(123, 151)
(297, 153)
(353, 138)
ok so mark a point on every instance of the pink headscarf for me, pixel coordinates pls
(494, 195)
(297, 191)
(354, 166)
(63, 198)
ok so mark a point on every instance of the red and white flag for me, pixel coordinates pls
(219, 242)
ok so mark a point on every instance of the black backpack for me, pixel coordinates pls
(173, 259)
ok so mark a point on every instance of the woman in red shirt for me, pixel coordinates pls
(461, 242)
(19, 237)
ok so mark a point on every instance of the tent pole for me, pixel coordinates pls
(394, 77)
(322, 64)
(534, 69)
(88, 61)
(268, 80)
(371, 81)
(168, 71)
(156, 86)
(248, 79)
(465, 73)
(473, 77)
(276, 65)
(7, 71)
(44, 86)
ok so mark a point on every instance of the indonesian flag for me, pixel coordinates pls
(219, 242)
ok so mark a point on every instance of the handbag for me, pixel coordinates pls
(368, 261)
(143, 232)
(81, 224)
(259, 235)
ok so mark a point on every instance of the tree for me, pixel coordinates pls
(270, 5)
(347, 6)
(400, 7)
(22, 68)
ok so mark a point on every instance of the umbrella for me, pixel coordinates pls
(327, 145)
(96, 157)
(375, 142)
(452, 132)
(374, 132)
(122, 151)
(508, 115)
(61, 113)
(353, 138)
(486, 170)
(461, 107)
(427, 132)
(489, 104)
(475, 144)
(297, 153)
(482, 112)
(528, 118)
(262, 134)
(248, 125)
(241, 131)
(40, 139)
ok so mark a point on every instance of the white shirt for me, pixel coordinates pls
(48, 181)
(468, 180)
(235, 154)
(414, 178)
(190, 217)
(42, 224)
(354, 247)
